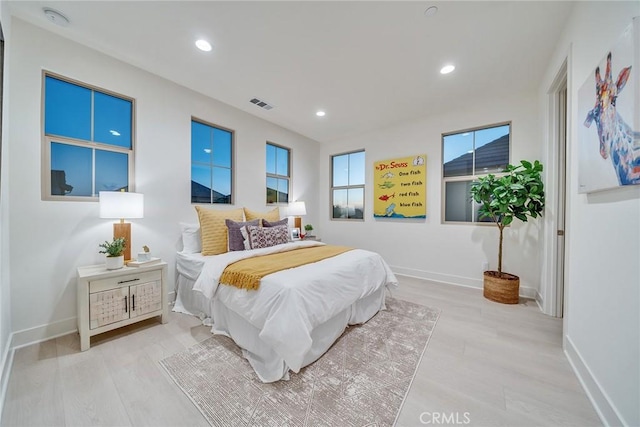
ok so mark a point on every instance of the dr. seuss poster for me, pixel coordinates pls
(400, 188)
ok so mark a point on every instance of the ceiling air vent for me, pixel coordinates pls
(260, 103)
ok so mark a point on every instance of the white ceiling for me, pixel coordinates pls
(368, 64)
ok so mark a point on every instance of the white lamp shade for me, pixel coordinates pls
(296, 209)
(120, 204)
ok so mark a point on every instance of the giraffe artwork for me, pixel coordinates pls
(611, 149)
(617, 139)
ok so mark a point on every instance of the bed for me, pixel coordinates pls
(295, 315)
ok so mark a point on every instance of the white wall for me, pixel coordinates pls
(5, 291)
(451, 253)
(602, 286)
(49, 240)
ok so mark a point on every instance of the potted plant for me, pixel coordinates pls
(308, 228)
(517, 194)
(114, 253)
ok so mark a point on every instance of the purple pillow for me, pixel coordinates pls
(236, 241)
(266, 223)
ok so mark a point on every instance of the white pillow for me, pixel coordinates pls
(191, 240)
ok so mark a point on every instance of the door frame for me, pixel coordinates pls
(552, 296)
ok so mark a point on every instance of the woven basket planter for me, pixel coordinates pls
(504, 289)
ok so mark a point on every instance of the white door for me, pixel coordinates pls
(561, 200)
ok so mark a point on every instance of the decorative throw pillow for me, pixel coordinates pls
(272, 215)
(214, 230)
(266, 223)
(191, 240)
(260, 237)
(236, 241)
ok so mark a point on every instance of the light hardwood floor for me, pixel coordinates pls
(487, 363)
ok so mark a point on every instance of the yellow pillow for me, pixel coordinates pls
(271, 216)
(214, 230)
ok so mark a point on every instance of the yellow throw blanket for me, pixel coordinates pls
(247, 273)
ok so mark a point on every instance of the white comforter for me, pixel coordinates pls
(289, 304)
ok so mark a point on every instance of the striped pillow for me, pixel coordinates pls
(272, 215)
(214, 230)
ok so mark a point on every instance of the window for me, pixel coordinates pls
(211, 154)
(347, 185)
(278, 176)
(88, 140)
(466, 156)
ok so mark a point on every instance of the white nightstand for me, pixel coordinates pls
(110, 299)
(314, 238)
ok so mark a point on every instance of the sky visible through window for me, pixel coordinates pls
(86, 115)
(210, 162)
(459, 144)
(464, 159)
(348, 170)
(277, 164)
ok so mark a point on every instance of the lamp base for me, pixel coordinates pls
(297, 223)
(123, 229)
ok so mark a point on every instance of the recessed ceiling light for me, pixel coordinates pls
(320, 113)
(203, 45)
(432, 10)
(447, 69)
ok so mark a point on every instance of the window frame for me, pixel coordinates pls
(48, 139)
(332, 188)
(232, 155)
(276, 176)
(468, 178)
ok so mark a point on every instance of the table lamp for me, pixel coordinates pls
(296, 210)
(122, 205)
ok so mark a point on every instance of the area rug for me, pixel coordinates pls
(361, 380)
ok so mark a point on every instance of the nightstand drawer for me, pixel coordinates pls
(125, 280)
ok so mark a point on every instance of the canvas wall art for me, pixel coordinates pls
(400, 187)
(609, 118)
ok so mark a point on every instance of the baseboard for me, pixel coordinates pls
(43, 332)
(605, 409)
(51, 330)
(540, 301)
(35, 335)
(449, 279)
(7, 363)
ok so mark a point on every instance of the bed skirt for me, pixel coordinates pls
(190, 302)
